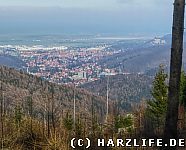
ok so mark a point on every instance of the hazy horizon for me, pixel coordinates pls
(112, 17)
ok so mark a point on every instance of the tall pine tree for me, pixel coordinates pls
(183, 89)
(157, 106)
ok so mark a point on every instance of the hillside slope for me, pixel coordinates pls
(141, 58)
(11, 61)
(124, 89)
(18, 88)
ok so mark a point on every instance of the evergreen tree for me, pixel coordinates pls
(124, 122)
(183, 89)
(157, 106)
(68, 122)
(79, 128)
(18, 116)
(182, 102)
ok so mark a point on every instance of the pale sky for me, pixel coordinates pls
(103, 4)
(86, 16)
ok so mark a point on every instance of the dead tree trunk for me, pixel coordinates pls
(170, 130)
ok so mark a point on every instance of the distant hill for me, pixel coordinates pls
(126, 90)
(18, 87)
(138, 60)
(11, 61)
(144, 57)
(168, 38)
(164, 40)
